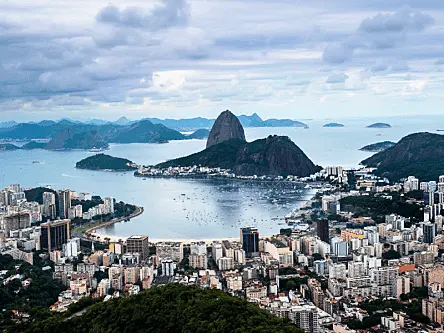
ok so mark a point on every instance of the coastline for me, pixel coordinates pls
(90, 231)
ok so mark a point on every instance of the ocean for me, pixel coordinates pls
(204, 209)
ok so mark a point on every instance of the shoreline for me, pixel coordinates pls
(91, 231)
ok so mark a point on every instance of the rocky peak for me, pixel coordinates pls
(226, 127)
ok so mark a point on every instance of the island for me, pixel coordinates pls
(333, 125)
(379, 146)
(379, 125)
(106, 163)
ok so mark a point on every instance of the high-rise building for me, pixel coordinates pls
(198, 260)
(216, 251)
(15, 222)
(138, 244)
(305, 317)
(54, 234)
(322, 230)
(64, 198)
(109, 205)
(49, 205)
(411, 184)
(167, 268)
(429, 232)
(249, 238)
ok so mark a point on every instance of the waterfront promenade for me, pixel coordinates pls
(89, 233)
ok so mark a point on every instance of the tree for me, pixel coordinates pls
(391, 254)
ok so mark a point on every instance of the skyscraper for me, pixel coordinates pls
(322, 230)
(49, 204)
(429, 232)
(64, 203)
(249, 238)
(54, 234)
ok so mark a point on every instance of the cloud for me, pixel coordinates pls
(383, 31)
(169, 14)
(404, 20)
(336, 78)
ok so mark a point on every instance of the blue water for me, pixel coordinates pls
(208, 209)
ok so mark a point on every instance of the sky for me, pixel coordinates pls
(294, 59)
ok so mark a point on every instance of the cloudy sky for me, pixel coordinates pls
(297, 59)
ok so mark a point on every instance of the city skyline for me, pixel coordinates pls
(181, 59)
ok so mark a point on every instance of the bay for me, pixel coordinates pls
(208, 209)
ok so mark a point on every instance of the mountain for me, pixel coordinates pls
(145, 132)
(379, 125)
(282, 123)
(59, 141)
(105, 162)
(247, 121)
(141, 131)
(86, 140)
(34, 145)
(199, 134)
(379, 146)
(8, 147)
(226, 127)
(66, 139)
(122, 121)
(419, 154)
(274, 155)
(172, 308)
(251, 121)
(184, 124)
(333, 125)
(7, 124)
(98, 122)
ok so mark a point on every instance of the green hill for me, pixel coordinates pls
(170, 309)
(419, 154)
(274, 155)
(104, 162)
(379, 146)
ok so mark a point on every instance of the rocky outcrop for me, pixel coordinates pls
(226, 127)
(59, 141)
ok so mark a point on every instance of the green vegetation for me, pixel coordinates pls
(36, 194)
(420, 155)
(35, 298)
(105, 162)
(377, 207)
(379, 146)
(274, 155)
(171, 308)
(391, 254)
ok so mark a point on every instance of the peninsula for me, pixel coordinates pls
(379, 146)
(227, 149)
(105, 162)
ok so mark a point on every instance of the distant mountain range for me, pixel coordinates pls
(66, 134)
(189, 124)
